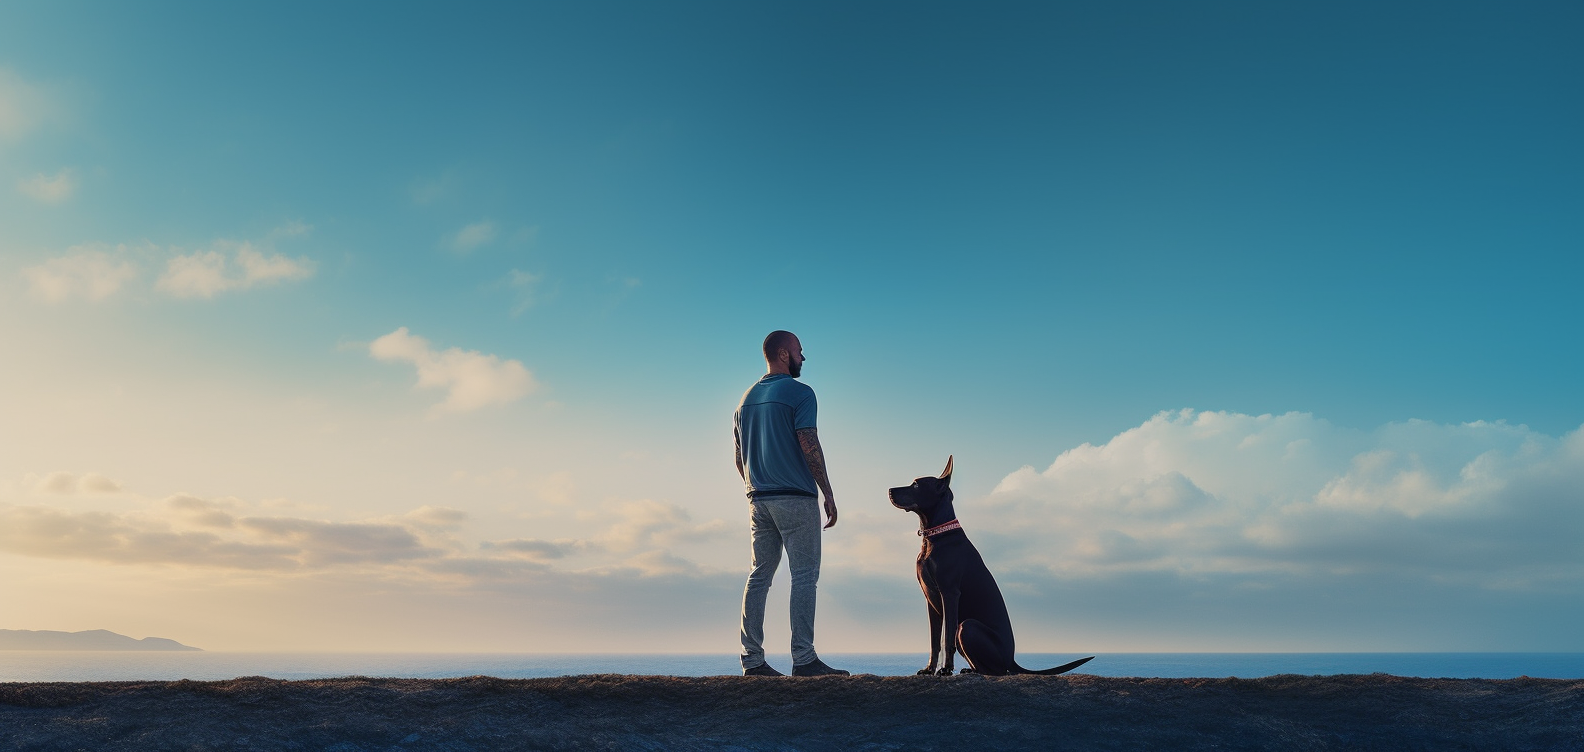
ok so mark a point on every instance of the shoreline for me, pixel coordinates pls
(36, 666)
(610, 711)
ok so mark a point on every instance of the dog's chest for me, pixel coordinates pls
(934, 565)
(946, 561)
(925, 566)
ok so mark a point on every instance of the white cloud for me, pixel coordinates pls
(199, 275)
(49, 189)
(260, 269)
(472, 380)
(473, 236)
(98, 271)
(208, 273)
(1490, 504)
(89, 272)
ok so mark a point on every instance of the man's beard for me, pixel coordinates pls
(794, 369)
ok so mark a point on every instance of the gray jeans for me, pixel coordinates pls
(792, 522)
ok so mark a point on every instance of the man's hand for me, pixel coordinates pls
(830, 511)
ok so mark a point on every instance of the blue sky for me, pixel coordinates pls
(1003, 232)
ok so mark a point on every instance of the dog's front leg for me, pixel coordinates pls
(935, 636)
(947, 639)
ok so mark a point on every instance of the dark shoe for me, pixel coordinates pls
(817, 668)
(762, 669)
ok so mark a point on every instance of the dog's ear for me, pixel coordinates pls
(946, 474)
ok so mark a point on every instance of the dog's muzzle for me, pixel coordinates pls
(898, 504)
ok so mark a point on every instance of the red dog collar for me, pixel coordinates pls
(938, 529)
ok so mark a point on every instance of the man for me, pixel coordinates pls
(780, 461)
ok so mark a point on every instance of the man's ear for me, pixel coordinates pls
(946, 474)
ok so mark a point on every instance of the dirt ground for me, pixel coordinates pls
(862, 712)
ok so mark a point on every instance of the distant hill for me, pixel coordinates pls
(93, 639)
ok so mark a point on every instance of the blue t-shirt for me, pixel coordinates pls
(766, 426)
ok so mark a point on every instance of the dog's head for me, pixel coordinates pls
(924, 494)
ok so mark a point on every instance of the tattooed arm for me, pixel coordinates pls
(808, 438)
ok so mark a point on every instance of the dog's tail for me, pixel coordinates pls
(1062, 669)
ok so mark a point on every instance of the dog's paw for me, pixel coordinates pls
(965, 671)
(947, 671)
(927, 671)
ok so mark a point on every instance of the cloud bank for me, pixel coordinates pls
(1197, 493)
(186, 530)
(1191, 531)
(638, 538)
(472, 380)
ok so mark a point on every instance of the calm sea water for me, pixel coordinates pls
(33, 666)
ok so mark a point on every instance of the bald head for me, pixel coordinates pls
(783, 353)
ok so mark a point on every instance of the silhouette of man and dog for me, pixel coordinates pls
(782, 465)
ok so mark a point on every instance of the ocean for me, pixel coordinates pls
(40, 666)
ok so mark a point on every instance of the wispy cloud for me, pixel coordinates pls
(646, 524)
(638, 536)
(206, 274)
(191, 531)
(472, 380)
(428, 191)
(292, 229)
(473, 236)
(87, 272)
(103, 536)
(98, 271)
(525, 288)
(50, 189)
(71, 484)
(319, 542)
(535, 549)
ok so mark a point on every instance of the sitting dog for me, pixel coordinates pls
(966, 611)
